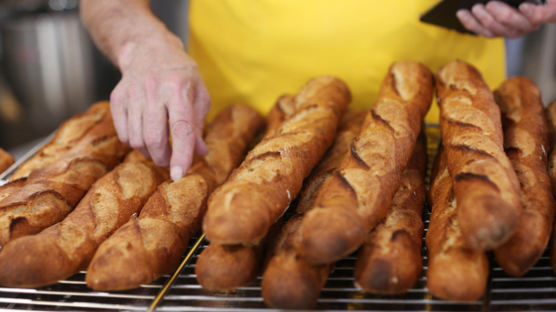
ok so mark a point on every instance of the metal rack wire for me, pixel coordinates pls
(535, 291)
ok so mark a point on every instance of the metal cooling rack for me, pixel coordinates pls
(181, 292)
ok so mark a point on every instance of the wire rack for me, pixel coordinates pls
(180, 292)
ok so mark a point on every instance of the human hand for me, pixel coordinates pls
(161, 92)
(497, 19)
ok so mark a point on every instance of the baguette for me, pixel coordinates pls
(390, 260)
(83, 131)
(6, 160)
(455, 271)
(62, 249)
(47, 194)
(526, 143)
(227, 267)
(347, 210)
(147, 247)
(551, 116)
(242, 210)
(290, 282)
(485, 185)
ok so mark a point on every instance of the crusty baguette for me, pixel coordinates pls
(48, 194)
(6, 160)
(485, 184)
(225, 268)
(357, 196)
(289, 281)
(349, 127)
(551, 116)
(526, 144)
(455, 271)
(242, 210)
(82, 131)
(62, 249)
(390, 260)
(151, 245)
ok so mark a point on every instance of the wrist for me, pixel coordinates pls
(146, 43)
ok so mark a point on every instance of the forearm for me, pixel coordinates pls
(119, 26)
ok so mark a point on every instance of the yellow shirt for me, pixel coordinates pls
(252, 51)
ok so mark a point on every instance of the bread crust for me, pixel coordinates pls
(290, 282)
(73, 136)
(6, 160)
(526, 144)
(485, 184)
(551, 116)
(62, 249)
(47, 194)
(455, 271)
(242, 210)
(152, 244)
(227, 267)
(346, 209)
(389, 261)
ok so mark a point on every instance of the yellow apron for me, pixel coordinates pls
(252, 51)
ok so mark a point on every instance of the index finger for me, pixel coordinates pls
(182, 128)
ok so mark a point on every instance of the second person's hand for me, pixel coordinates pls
(497, 19)
(161, 92)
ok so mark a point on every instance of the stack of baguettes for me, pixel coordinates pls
(160, 233)
(47, 187)
(243, 210)
(369, 154)
(490, 186)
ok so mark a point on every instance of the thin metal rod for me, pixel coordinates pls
(161, 294)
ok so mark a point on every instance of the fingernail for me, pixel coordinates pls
(176, 173)
(460, 13)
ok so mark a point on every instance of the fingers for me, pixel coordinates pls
(498, 19)
(182, 127)
(136, 105)
(471, 23)
(118, 101)
(155, 128)
(509, 17)
(489, 22)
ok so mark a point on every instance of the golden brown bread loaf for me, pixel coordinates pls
(147, 247)
(526, 143)
(485, 184)
(455, 271)
(226, 267)
(62, 249)
(349, 127)
(242, 210)
(551, 116)
(82, 136)
(390, 260)
(357, 196)
(48, 194)
(289, 282)
(6, 160)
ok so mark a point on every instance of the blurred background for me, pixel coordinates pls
(50, 69)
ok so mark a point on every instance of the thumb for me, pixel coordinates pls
(539, 14)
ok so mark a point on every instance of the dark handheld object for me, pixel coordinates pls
(444, 13)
